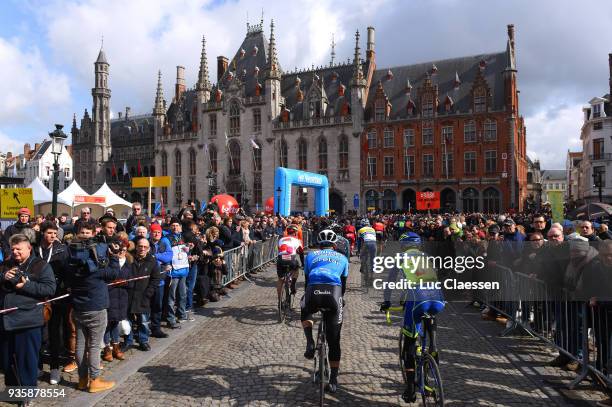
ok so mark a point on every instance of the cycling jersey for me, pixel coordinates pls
(367, 234)
(325, 267)
(379, 227)
(289, 245)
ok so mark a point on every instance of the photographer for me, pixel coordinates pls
(25, 280)
(89, 268)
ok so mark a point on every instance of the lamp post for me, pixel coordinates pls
(211, 190)
(278, 194)
(57, 145)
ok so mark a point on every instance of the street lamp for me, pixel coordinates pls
(278, 193)
(57, 145)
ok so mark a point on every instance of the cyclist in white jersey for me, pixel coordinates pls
(290, 250)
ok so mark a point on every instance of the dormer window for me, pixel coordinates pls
(428, 107)
(314, 107)
(597, 110)
(234, 115)
(480, 100)
(380, 110)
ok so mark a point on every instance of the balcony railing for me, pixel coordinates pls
(316, 121)
(601, 156)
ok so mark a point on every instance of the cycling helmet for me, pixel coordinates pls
(410, 238)
(364, 222)
(292, 229)
(336, 228)
(327, 236)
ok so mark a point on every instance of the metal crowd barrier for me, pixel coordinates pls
(577, 329)
(242, 260)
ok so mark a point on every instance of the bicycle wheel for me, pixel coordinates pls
(432, 391)
(401, 357)
(288, 296)
(323, 363)
(282, 305)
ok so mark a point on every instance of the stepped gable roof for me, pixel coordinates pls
(343, 74)
(248, 62)
(445, 75)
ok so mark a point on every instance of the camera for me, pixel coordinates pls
(10, 284)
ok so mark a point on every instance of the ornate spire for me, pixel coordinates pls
(358, 79)
(333, 51)
(159, 109)
(203, 82)
(272, 58)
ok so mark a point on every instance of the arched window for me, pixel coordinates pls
(322, 155)
(302, 154)
(152, 170)
(178, 167)
(257, 158)
(372, 199)
(234, 158)
(343, 157)
(388, 200)
(146, 171)
(192, 162)
(470, 200)
(490, 200)
(213, 158)
(164, 163)
(234, 115)
(283, 153)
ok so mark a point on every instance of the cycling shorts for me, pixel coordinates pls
(283, 266)
(379, 236)
(431, 303)
(323, 297)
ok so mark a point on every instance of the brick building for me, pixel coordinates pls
(451, 126)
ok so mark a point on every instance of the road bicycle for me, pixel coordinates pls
(428, 381)
(286, 298)
(322, 370)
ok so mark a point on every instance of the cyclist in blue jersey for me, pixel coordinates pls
(417, 303)
(366, 246)
(325, 273)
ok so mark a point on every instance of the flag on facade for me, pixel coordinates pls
(114, 171)
(254, 144)
(162, 210)
(139, 168)
(15, 167)
(125, 169)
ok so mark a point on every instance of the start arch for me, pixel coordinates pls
(285, 178)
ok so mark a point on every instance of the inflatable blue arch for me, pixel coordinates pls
(284, 178)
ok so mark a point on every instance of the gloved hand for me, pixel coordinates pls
(385, 306)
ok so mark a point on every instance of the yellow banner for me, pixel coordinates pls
(556, 205)
(143, 182)
(13, 199)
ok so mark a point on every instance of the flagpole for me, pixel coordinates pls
(445, 158)
(150, 185)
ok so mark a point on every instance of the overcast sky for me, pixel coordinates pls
(47, 50)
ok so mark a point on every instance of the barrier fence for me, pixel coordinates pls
(580, 330)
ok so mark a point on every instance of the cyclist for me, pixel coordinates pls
(289, 249)
(343, 245)
(325, 273)
(417, 303)
(379, 228)
(366, 245)
(350, 233)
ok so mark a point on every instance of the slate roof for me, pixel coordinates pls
(43, 148)
(554, 175)
(121, 128)
(466, 68)
(101, 57)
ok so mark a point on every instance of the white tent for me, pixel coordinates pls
(112, 199)
(41, 194)
(68, 194)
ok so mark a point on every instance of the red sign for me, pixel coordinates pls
(89, 199)
(427, 200)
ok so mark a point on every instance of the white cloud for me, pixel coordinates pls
(8, 143)
(552, 137)
(29, 90)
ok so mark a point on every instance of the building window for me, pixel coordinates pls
(343, 157)
(164, 194)
(66, 183)
(447, 135)
(470, 200)
(469, 132)
(372, 199)
(490, 130)
(490, 161)
(480, 100)
(598, 149)
(234, 115)
(469, 162)
(302, 148)
(371, 167)
(178, 167)
(257, 159)
(213, 158)
(388, 200)
(256, 120)
(427, 136)
(192, 162)
(257, 190)
(372, 139)
(322, 155)
(66, 172)
(447, 165)
(388, 166)
(388, 138)
(597, 110)
(428, 105)
(598, 126)
(234, 158)
(408, 137)
(192, 189)
(490, 200)
(428, 165)
(178, 193)
(283, 153)
(409, 166)
(380, 110)
(212, 121)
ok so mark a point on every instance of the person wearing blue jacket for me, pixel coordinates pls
(89, 268)
(162, 250)
(178, 275)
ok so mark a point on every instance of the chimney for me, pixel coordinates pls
(610, 70)
(370, 44)
(221, 66)
(120, 114)
(127, 112)
(511, 34)
(179, 88)
(26, 149)
(9, 155)
(36, 146)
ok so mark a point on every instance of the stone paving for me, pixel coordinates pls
(237, 354)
